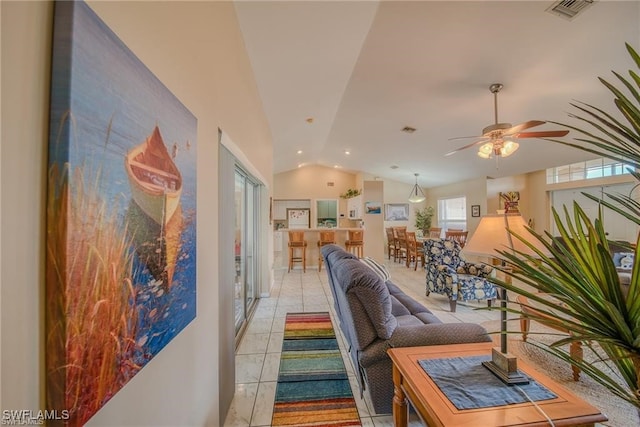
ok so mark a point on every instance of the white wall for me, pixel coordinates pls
(205, 65)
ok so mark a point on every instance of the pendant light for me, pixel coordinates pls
(416, 195)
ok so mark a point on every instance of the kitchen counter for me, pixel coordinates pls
(311, 236)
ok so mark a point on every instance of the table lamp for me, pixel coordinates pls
(491, 236)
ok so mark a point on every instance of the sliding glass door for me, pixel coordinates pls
(246, 246)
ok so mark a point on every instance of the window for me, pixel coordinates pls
(590, 169)
(452, 213)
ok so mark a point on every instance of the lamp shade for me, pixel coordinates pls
(492, 235)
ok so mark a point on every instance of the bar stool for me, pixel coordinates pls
(297, 243)
(326, 238)
(355, 242)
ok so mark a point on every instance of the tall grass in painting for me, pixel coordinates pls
(91, 315)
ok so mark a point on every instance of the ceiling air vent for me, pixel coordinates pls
(569, 9)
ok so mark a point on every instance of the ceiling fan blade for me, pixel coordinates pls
(467, 146)
(466, 137)
(522, 126)
(541, 134)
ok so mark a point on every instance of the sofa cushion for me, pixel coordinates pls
(409, 320)
(364, 287)
(379, 269)
(398, 308)
(393, 288)
(412, 305)
(427, 317)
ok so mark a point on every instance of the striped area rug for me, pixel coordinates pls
(313, 388)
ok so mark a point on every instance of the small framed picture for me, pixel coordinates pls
(475, 210)
(372, 208)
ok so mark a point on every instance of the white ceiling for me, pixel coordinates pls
(363, 70)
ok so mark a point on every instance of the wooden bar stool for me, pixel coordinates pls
(355, 242)
(326, 238)
(297, 243)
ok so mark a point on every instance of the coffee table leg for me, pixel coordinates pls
(400, 406)
(575, 350)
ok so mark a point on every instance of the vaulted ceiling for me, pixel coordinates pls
(337, 76)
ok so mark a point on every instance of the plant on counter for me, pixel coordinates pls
(350, 193)
(592, 304)
(423, 219)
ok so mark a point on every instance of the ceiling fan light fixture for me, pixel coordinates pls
(416, 195)
(497, 133)
(508, 148)
(486, 150)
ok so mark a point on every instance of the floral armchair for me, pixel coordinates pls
(449, 274)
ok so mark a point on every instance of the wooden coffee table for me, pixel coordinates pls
(529, 307)
(412, 382)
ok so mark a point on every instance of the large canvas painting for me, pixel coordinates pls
(121, 216)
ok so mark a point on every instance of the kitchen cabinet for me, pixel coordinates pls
(354, 207)
(327, 213)
(280, 207)
(323, 209)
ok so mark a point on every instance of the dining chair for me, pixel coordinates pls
(415, 252)
(391, 244)
(401, 235)
(458, 235)
(435, 232)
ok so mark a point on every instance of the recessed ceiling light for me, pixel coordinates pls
(309, 120)
(394, 167)
(336, 166)
(301, 165)
(347, 152)
(299, 151)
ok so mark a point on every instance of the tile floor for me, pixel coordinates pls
(258, 356)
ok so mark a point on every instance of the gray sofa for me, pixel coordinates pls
(376, 315)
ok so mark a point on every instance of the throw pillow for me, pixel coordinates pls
(378, 268)
(478, 269)
(626, 262)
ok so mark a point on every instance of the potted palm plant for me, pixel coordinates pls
(580, 273)
(424, 218)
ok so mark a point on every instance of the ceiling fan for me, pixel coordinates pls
(497, 139)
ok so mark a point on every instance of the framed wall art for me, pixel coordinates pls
(372, 208)
(475, 210)
(121, 215)
(396, 212)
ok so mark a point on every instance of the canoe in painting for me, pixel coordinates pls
(156, 182)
